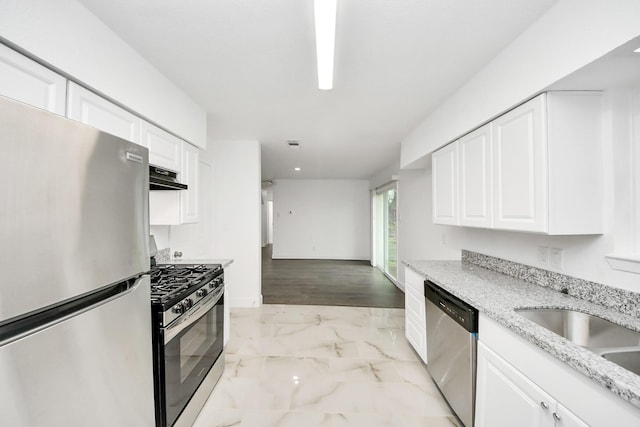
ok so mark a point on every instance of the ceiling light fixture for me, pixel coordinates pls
(325, 22)
(637, 50)
(296, 169)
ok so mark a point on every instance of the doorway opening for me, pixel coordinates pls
(385, 202)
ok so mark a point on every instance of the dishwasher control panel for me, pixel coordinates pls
(464, 314)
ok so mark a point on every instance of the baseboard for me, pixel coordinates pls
(336, 258)
(245, 302)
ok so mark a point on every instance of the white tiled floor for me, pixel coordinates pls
(308, 366)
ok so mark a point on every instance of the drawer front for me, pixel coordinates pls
(415, 322)
(417, 337)
(413, 280)
(414, 305)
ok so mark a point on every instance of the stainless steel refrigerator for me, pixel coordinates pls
(75, 321)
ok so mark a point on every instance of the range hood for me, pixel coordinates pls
(163, 179)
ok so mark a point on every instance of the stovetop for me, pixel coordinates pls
(171, 283)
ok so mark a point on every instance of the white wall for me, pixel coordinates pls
(235, 191)
(386, 175)
(230, 219)
(570, 35)
(161, 234)
(64, 34)
(418, 237)
(321, 219)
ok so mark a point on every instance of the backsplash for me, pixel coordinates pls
(624, 301)
(163, 256)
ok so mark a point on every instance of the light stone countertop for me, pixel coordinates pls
(497, 295)
(225, 262)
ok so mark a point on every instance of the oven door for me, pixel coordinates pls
(192, 344)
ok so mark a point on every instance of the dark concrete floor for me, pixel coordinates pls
(326, 282)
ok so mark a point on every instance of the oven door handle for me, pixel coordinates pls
(195, 314)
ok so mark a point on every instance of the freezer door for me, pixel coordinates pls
(74, 210)
(94, 369)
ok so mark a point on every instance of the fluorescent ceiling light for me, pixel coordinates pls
(296, 169)
(637, 50)
(325, 21)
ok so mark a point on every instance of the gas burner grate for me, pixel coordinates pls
(174, 281)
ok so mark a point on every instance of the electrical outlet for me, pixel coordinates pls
(543, 255)
(555, 258)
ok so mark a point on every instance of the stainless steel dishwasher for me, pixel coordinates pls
(452, 333)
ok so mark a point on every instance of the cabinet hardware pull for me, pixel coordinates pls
(544, 405)
(556, 416)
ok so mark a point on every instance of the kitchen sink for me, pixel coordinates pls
(592, 332)
(628, 359)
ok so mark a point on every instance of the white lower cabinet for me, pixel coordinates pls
(414, 311)
(519, 384)
(27, 81)
(86, 107)
(505, 397)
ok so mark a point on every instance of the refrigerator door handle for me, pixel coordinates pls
(34, 322)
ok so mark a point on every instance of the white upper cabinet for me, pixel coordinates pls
(548, 171)
(27, 81)
(86, 107)
(444, 163)
(519, 158)
(537, 168)
(165, 150)
(190, 199)
(476, 204)
(174, 207)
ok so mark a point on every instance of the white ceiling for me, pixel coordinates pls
(251, 65)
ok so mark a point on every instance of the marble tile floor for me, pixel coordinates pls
(313, 366)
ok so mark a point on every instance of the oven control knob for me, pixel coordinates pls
(187, 303)
(201, 292)
(178, 308)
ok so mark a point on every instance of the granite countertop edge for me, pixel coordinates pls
(497, 295)
(226, 262)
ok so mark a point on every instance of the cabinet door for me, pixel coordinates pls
(415, 322)
(27, 81)
(86, 107)
(444, 164)
(415, 314)
(190, 199)
(520, 168)
(476, 178)
(566, 418)
(165, 150)
(505, 397)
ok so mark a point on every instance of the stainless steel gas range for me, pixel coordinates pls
(188, 322)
